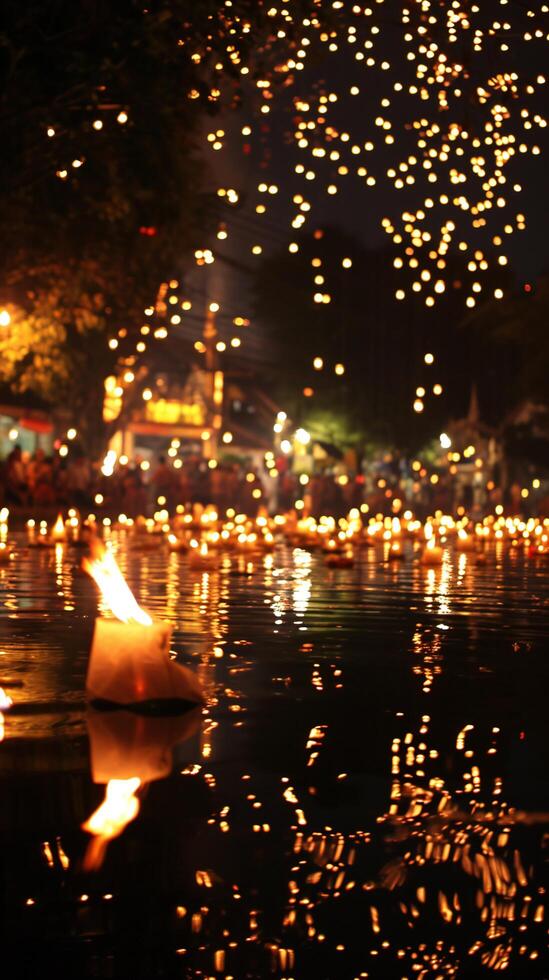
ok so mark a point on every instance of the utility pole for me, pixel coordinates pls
(215, 381)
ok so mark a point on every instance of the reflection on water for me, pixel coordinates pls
(365, 795)
(128, 750)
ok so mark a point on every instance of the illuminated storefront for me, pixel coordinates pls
(31, 429)
(169, 410)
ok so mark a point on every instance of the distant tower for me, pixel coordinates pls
(473, 415)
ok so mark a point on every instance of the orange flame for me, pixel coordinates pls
(120, 805)
(5, 700)
(5, 703)
(117, 810)
(58, 529)
(113, 586)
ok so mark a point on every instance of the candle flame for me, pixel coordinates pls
(120, 805)
(113, 587)
(5, 700)
(58, 529)
(5, 703)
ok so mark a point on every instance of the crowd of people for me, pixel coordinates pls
(39, 482)
(43, 482)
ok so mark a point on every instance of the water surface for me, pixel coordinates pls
(365, 797)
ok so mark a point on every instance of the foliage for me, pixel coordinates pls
(67, 67)
(518, 327)
(55, 344)
(332, 426)
(380, 342)
(86, 252)
(101, 184)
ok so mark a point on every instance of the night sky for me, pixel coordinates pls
(268, 155)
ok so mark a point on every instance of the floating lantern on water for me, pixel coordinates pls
(268, 541)
(78, 531)
(47, 537)
(333, 547)
(214, 540)
(5, 700)
(395, 552)
(58, 532)
(176, 544)
(369, 535)
(202, 557)
(4, 514)
(247, 542)
(43, 540)
(341, 559)
(432, 553)
(396, 527)
(5, 703)
(129, 660)
(464, 541)
(182, 521)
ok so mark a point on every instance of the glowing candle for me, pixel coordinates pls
(58, 532)
(432, 553)
(176, 544)
(202, 557)
(395, 552)
(464, 541)
(130, 659)
(4, 514)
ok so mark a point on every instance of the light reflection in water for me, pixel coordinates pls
(336, 880)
